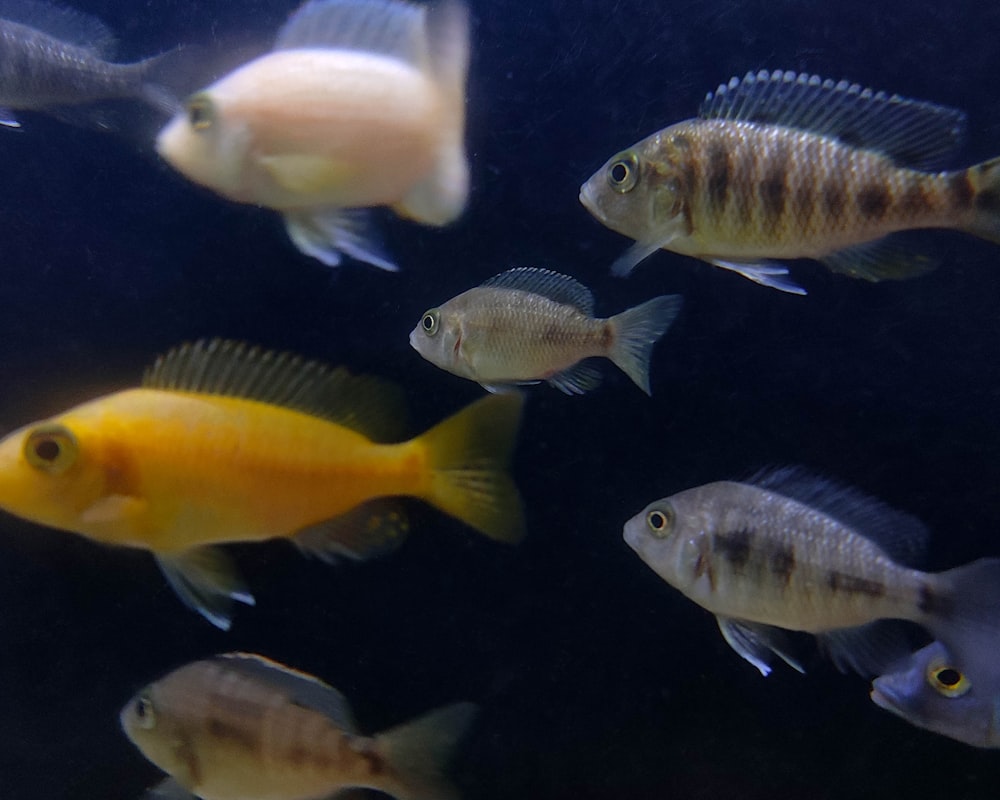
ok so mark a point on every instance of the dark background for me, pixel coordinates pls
(596, 679)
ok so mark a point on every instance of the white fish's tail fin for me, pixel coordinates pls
(441, 196)
(635, 333)
(962, 610)
(985, 180)
(418, 752)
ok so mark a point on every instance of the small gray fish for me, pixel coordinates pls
(242, 727)
(788, 551)
(54, 60)
(931, 691)
(528, 325)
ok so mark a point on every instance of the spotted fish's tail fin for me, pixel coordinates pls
(985, 181)
(962, 610)
(635, 333)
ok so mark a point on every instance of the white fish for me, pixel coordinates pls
(361, 103)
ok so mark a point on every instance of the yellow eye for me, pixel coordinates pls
(201, 112)
(948, 680)
(623, 173)
(144, 711)
(51, 448)
(660, 521)
(429, 322)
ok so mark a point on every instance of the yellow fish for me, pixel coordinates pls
(361, 103)
(227, 443)
(780, 165)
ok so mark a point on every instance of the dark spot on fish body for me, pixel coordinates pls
(606, 335)
(988, 200)
(834, 197)
(933, 603)
(914, 201)
(804, 204)
(703, 566)
(224, 731)
(961, 191)
(734, 547)
(718, 175)
(774, 186)
(782, 564)
(850, 584)
(873, 200)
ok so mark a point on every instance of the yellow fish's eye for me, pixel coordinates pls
(51, 448)
(623, 173)
(145, 712)
(948, 680)
(201, 112)
(660, 521)
(429, 322)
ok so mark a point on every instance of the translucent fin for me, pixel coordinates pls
(885, 259)
(578, 379)
(8, 119)
(169, 789)
(65, 24)
(866, 650)
(302, 689)
(370, 530)
(468, 455)
(556, 287)
(629, 260)
(327, 233)
(765, 273)
(635, 333)
(903, 537)
(506, 388)
(418, 752)
(962, 610)
(758, 643)
(206, 580)
(911, 132)
(368, 405)
(985, 180)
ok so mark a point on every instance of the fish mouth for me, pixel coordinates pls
(586, 200)
(884, 697)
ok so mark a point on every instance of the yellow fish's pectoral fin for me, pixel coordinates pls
(305, 174)
(372, 529)
(207, 581)
(114, 509)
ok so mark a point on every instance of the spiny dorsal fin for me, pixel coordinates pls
(234, 369)
(556, 287)
(912, 132)
(903, 537)
(392, 28)
(302, 689)
(65, 24)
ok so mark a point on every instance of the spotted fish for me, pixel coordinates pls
(789, 551)
(781, 165)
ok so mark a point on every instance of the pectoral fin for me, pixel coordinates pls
(627, 261)
(114, 509)
(757, 643)
(8, 120)
(206, 580)
(169, 789)
(304, 174)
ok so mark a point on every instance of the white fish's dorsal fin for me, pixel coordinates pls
(553, 285)
(302, 689)
(903, 537)
(392, 28)
(65, 24)
(912, 132)
(234, 369)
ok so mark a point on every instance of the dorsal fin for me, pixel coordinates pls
(302, 689)
(234, 369)
(394, 28)
(65, 24)
(912, 132)
(556, 287)
(903, 537)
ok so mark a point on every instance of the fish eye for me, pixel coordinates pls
(660, 521)
(201, 112)
(948, 680)
(144, 711)
(429, 322)
(51, 448)
(623, 174)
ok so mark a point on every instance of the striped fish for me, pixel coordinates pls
(242, 727)
(788, 551)
(780, 165)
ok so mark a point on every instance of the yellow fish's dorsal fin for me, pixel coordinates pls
(235, 369)
(305, 174)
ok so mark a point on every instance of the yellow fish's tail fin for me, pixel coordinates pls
(418, 752)
(985, 180)
(467, 455)
(635, 333)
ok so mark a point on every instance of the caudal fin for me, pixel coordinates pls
(963, 612)
(636, 331)
(985, 179)
(418, 752)
(468, 455)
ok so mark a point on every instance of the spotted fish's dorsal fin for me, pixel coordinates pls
(65, 24)
(553, 285)
(302, 689)
(903, 537)
(913, 133)
(234, 369)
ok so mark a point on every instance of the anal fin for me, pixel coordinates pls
(577, 379)
(868, 649)
(885, 259)
(369, 530)
(207, 581)
(758, 643)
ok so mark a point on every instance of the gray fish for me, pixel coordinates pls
(528, 325)
(788, 551)
(55, 60)
(242, 727)
(931, 691)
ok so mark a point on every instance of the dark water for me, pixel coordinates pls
(595, 678)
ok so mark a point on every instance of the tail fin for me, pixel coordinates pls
(418, 752)
(985, 179)
(170, 76)
(963, 612)
(636, 331)
(468, 454)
